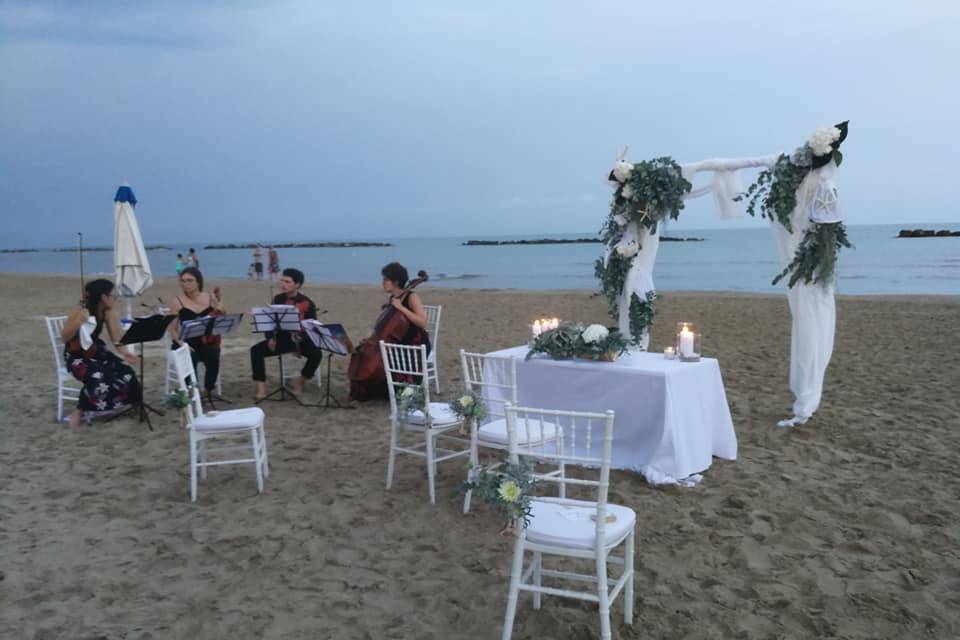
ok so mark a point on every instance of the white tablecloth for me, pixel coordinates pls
(671, 417)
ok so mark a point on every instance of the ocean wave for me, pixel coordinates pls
(458, 276)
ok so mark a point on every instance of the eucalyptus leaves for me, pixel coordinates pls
(179, 398)
(775, 194)
(573, 340)
(646, 192)
(506, 486)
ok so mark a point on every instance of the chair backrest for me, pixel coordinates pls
(187, 379)
(493, 378)
(405, 367)
(433, 324)
(54, 327)
(574, 445)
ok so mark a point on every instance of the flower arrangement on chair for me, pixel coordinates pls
(179, 398)
(469, 407)
(411, 400)
(506, 486)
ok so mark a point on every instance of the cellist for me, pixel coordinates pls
(404, 301)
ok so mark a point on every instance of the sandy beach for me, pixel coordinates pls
(846, 527)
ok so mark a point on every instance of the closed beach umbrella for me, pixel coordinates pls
(129, 256)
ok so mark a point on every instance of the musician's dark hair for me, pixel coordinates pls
(397, 273)
(92, 292)
(179, 255)
(192, 250)
(294, 274)
(193, 271)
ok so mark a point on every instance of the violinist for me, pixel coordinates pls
(193, 304)
(290, 282)
(367, 380)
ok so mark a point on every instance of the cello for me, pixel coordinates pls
(366, 371)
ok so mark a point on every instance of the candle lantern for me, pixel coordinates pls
(688, 342)
(670, 353)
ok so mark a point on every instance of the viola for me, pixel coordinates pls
(366, 362)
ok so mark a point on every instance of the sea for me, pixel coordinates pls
(732, 259)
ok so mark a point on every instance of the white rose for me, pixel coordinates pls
(466, 401)
(407, 393)
(628, 249)
(594, 333)
(620, 220)
(627, 191)
(621, 170)
(822, 140)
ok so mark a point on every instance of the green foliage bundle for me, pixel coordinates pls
(574, 340)
(816, 256)
(506, 486)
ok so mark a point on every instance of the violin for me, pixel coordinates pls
(366, 363)
(214, 341)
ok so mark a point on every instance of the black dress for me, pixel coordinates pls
(108, 382)
(208, 354)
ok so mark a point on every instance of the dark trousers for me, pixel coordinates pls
(259, 352)
(210, 357)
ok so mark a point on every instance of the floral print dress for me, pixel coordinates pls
(108, 382)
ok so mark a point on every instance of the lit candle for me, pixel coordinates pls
(555, 323)
(537, 329)
(686, 342)
(669, 353)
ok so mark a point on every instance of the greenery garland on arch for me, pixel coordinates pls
(646, 193)
(775, 193)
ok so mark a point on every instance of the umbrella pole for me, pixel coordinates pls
(80, 236)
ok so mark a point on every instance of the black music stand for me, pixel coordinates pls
(147, 329)
(210, 326)
(333, 339)
(275, 319)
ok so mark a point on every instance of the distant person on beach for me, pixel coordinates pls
(274, 262)
(258, 262)
(251, 271)
(179, 265)
(108, 382)
(192, 259)
(290, 283)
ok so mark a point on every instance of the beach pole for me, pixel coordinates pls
(80, 236)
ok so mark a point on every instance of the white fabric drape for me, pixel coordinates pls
(130, 261)
(812, 306)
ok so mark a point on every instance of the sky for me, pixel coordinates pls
(299, 120)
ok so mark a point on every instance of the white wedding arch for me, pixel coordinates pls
(797, 192)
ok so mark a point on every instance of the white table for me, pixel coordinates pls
(671, 417)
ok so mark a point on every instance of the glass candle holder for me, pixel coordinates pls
(688, 341)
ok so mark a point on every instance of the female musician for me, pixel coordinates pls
(193, 304)
(108, 383)
(372, 384)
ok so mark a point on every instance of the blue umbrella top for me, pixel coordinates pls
(125, 194)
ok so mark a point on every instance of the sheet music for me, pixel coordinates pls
(265, 318)
(330, 337)
(209, 326)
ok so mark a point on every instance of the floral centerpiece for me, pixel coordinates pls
(506, 486)
(775, 194)
(469, 406)
(575, 340)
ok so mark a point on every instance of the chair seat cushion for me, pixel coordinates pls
(571, 523)
(495, 432)
(233, 419)
(440, 414)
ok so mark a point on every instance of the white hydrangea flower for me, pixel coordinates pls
(466, 401)
(620, 220)
(407, 393)
(822, 139)
(627, 191)
(595, 333)
(628, 249)
(622, 170)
